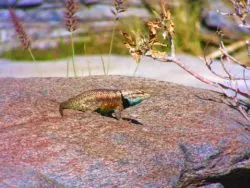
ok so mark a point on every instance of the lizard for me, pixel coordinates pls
(106, 101)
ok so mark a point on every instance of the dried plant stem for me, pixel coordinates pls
(22, 35)
(232, 58)
(187, 69)
(71, 8)
(245, 81)
(201, 78)
(118, 9)
(84, 52)
(172, 48)
(67, 67)
(229, 77)
(136, 68)
(73, 54)
(103, 65)
(111, 45)
(165, 26)
(89, 68)
(32, 56)
(233, 47)
(34, 60)
(244, 113)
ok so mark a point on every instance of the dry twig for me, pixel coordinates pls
(165, 27)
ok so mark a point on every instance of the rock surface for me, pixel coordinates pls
(20, 3)
(212, 19)
(184, 139)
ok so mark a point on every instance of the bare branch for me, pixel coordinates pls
(244, 113)
(225, 53)
(164, 26)
(229, 49)
(201, 78)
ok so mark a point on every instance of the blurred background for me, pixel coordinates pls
(196, 23)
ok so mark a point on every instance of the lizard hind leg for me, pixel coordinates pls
(112, 113)
(105, 112)
(76, 106)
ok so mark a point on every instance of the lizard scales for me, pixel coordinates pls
(106, 101)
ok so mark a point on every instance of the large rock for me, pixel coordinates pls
(34, 15)
(20, 3)
(127, 2)
(44, 21)
(54, 12)
(104, 13)
(153, 5)
(184, 138)
(212, 19)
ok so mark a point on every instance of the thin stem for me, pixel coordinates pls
(111, 46)
(136, 68)
(32, 56)
(245, 81)
(67, 67)
(84, 52)
(244, 113)
(34, 60)
(232, 58)
(200, 77)
(209, 66)
(187, 69)
(73, 54)
(172, 48)
(89, 68)
(103, 65)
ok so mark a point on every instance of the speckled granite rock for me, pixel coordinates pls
(184, 139)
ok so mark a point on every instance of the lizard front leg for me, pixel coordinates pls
(118, 112)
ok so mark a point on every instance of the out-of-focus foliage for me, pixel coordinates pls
(187, 38)
(187, 22)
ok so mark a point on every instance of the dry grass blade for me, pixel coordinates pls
(119, 8)
(153, 27)
(20, 31)
(22, 35)
(168, 23)
(69, 15)
(71, 24)
(129, 40)
(136, 49)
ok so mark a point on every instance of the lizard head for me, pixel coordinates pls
(132, 97)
